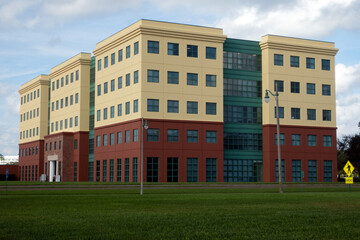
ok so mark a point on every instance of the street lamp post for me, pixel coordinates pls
(267, 99)
(143, 125)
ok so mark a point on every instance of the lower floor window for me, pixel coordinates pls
(242, 170)
(211, 170)
(152, 169)
(296, 170)
(327, 171)
(172, 169)
(312, 171)
(192, 169)
(282, 170)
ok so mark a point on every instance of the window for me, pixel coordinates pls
(311, 114)
(127, 169)
(153, 105)
(135, 135)
(173, 106)
(282, 170)
(62, 84)
(173, 77)
(210, 80)
(173, 49)
(294, 61)
(90, 172)
(70, 122)
(281, 112)
(192, 170)
(192, 79)
(236, 170)
(327, 171)
(327, 141)
(310, 88)
(66, 123)
(326, 115)
(99, 64)
(127, 136)
(71, 99)
(75, 171)
(119, 82)
(295, 113)
(136, 76)
(128, 51)
(153, 135)
(105, 113)
(136, 48)
(192, 51)
(295, 87)
(295, 139)
(242, 88)
(127, 79)
(111, 170)
(135, 169)
(152, 169)
(210, 169)
(153, 47)
(153, 76)
(52, 107)
(312, 139)
(98, 115)
(112, 111)
(112, 58)
(310, 63)
(61, 105)
(312, 171)
(67, 79)
(119, 137)
(326, 90)
(105, 139)
(106, 61)
(127, 108)
(119, 110)
(104, 170)
(118, 170)
(173, 135)
(98, 170)
(192, 136)
(210, 108)
(325, 64)
(296, 170)
(136, 106)
(112, 85)
(105, 87)
(278, 59)
(76, 98)
(210, 53)
(282, 139)
(172, 169)
(66, 101)
(57, 104)
(211, 137)
(192, 107)
(75, 144)
(120, 55)
(77, 75)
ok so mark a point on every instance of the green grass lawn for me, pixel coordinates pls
(180, 214)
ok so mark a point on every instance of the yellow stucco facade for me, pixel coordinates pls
(137, 36)
(34, 109)
(70, 95)
(303, 74)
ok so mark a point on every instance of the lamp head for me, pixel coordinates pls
(267, 98)
(146, 126)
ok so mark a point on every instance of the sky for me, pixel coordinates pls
(36, 35)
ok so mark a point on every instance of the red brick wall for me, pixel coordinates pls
(13, 172)
(26, 162)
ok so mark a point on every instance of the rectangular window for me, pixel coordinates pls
(105, 113)
(310, 88)
(53, 88)
(153, 76)
(192, 51)
(75, 171)
(295, 139)
(210, 108)
(192, 107)
(312, 171)
(67, 80)
(119, 137)
(172, 169)
(90, 171)
(61, 124)
(173, 49)
(62, 84)
(105, 139)
(76, 98)
(136, 76)
(66, 101)
(112, 138)
(210, 53)
(278, 59)
(296, 171)
(325, 64)
(312, 139)
(111, 170)
(119, 110)
(112, 111)
(173, 106)
(152, 169)
(135, 169)
(112, 85)
(192, 79)
(295, 113)
(153, 135)
(173, 135)
(327, 141)
(61, 104)
(153, 105)
(120, 82)
(327, 171)
(295, 87)
(282, 170)
(98, 115)
(127, 169)
(71, 99)
(77, 75)
(282, 139)
(70, 122)
(128, 52)
(192, 170)
(105, 87)
(127, 136)
(66, 123)
(136, 48)
(326, 115)
(310, 63)
(210, 80)
(294, 61)
(281, 112)
(326, 90)
(311, 114)
(136, 106)
(112, 58)
(98, 170)
(172, 77)
(99, 64)
(127, 83)
(211, 137)
(106, 61)
(57, 104)
(153, 47)
(192, 136)
(118, 170)
(135, 135)
(210, 169)
(75, 144)
(120, 55)
(127, 108)
(104, 170)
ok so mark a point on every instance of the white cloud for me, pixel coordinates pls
(347, 78)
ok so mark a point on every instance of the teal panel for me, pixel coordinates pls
(242, 74)
(243, 128)
(243, 46)
(242, 101)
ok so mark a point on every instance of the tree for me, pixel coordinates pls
(1, 157)
(348, 150)
(353, 152)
